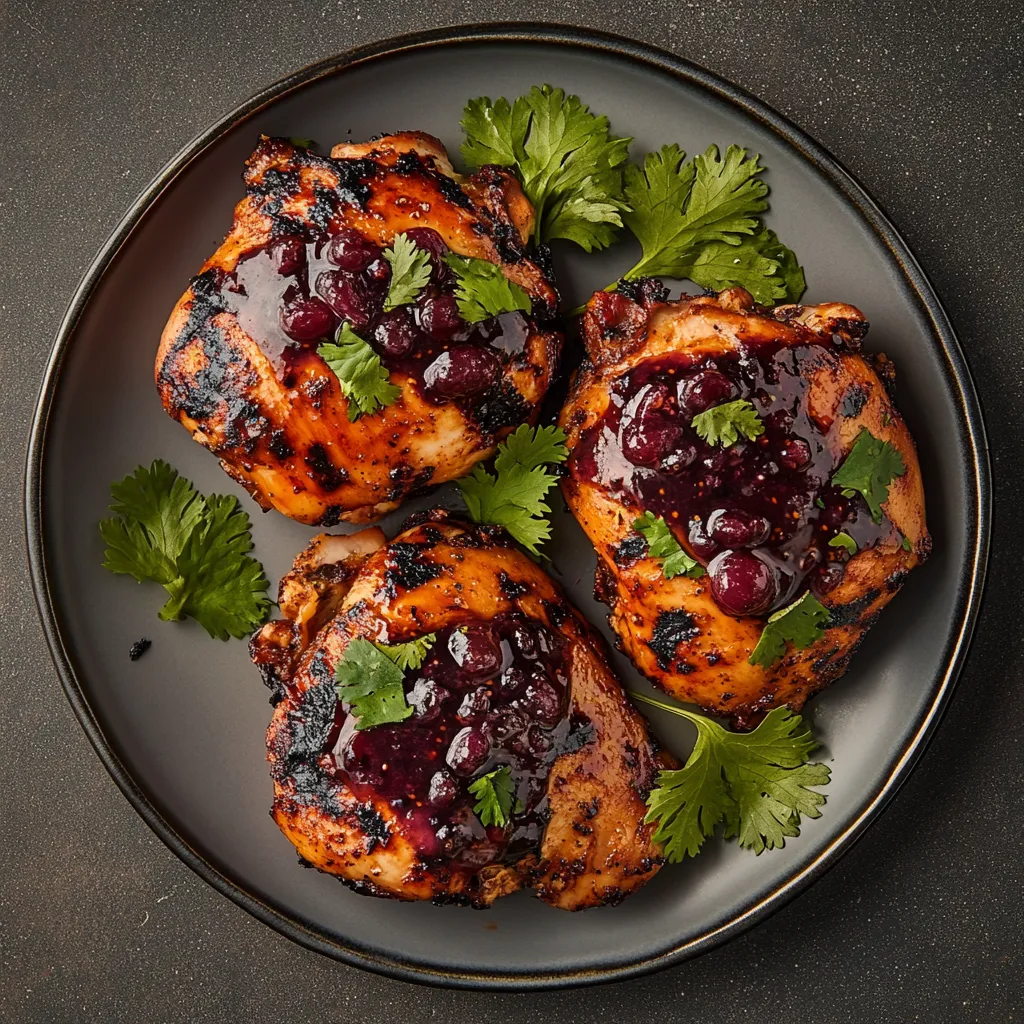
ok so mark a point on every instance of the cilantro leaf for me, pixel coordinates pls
(371, 682)
(699, 219)
(800, 623)
(723, 424)
(757, 784)
(197, 548)
(218, 583)
(789, 275)
(410, 271)
(531, 447)
(661, 543)
(870, 467)
(483, 291)
(568, 162)
(156, 510)
(301, 143)
(409, 655)
(493, 793)
(513, 496)
(907, 546)
(364, 381)
(843, 540)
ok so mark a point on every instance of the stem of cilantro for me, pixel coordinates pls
(690, 716)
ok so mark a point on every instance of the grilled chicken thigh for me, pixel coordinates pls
(758, 514)
(514, 678)
(238, 363)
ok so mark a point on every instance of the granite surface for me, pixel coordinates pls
(921, 921)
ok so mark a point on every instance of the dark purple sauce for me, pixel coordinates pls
(490, 694)
(768, 499)
(294, 293)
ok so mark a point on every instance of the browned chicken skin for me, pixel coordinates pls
(662, 354)
(580, 756)
(272, 410)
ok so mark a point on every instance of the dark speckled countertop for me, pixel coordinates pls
(922, 921)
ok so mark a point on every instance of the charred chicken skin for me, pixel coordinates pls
(238, 363)
(758, 514)
(515, 678)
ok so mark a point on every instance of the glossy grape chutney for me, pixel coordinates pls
(758, 514)
(489, 695)
(294, 293)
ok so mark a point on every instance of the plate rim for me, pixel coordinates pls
(971, 431)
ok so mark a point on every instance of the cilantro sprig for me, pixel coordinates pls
(410, 271)
(569, 163)
(482, 290)
(870, 467)
(723, 424)
(756, 784)
(494, 793)
(662, 544)
(197, 548)
(370, 681)
(800, 623)
(700, 220)
(513, 496)
(363, 378)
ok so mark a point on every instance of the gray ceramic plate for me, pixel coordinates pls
(181, 731)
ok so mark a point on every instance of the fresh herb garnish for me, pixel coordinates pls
(302, 143)
(513, 496)
(723, 424)
(364, 381)
(198, 549)
(483, 291)
(700, 220)
(410, 271)
(409, 655)
(493, 793)
(371, 682)
(907, 546)
(870, 467)
(662, 544)
(569, 164)
(843, 540)
(756, 783)
(800, 623)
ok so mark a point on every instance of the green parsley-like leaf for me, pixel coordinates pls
(568, 162)
(409, 655)
(483, 291)
(907, 546)
(661, 543)
(700, 220)
(218, 583)
(156, 510)
(410, 271)
(843, 540)
(197, 548)
(756, 783)
(494, 796)
(723, 424)
(301, 143)
(513, 496)
(364, 381)
(371, 682)
(800, 623)
(870, 467)
(789, 272)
